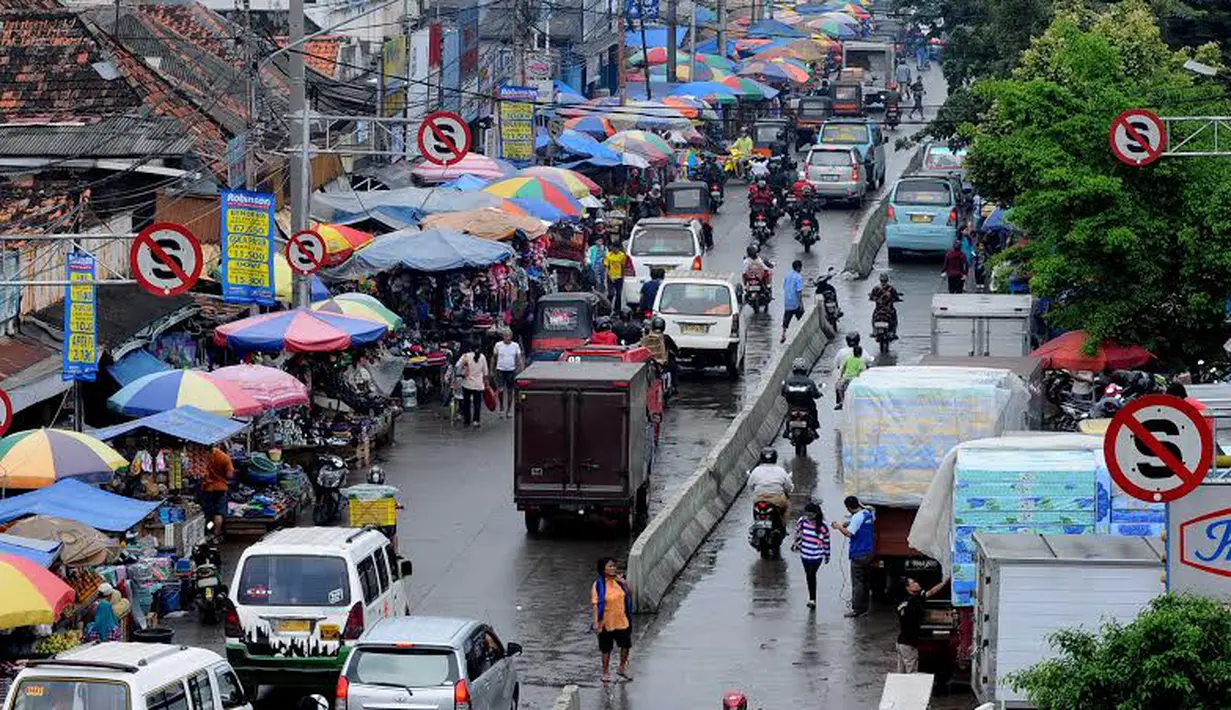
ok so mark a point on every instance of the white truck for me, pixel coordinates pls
(877, 60)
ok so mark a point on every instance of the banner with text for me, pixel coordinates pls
(248, 247)
(80, 321)
(517, 124)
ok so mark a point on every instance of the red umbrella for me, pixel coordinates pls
(1067, 352)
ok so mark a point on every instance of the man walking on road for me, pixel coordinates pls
(792, 296)
(860, 531)
(508, 362)
(614, 263)
(903, 77)
(917, 92)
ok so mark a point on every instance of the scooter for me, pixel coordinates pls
(715, 196)
(880, 329)
(757, 293)
(893, 116)
(331, 473)
(799, 430)
(767, 530)
(761, 229)
(829, 297)
(210, 596)
(805, 233)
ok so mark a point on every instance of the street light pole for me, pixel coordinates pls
(300, 160)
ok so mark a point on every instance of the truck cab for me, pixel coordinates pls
(876, 59)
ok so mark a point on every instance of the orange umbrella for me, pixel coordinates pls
(487, 222)
(341, 241)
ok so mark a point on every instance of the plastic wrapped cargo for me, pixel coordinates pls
(900, 422)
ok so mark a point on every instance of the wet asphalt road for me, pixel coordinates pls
(473, 558)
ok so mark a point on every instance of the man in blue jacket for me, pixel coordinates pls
(861, 532)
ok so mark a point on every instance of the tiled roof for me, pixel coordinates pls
(321, 53)
(30, 210)
(27, 5)
(20, 352)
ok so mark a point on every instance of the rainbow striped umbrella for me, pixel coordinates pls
(683, 72)
(39, 457)
(360, 305)
(534, 188)
(161, 391)
(32, 595)
(272, 387)
(691, 107)
(595, 126)
(341, 241)
(643, 143)
(834, 29)
(577, 184)
(775, 70)
(749, 88)
(301, 330)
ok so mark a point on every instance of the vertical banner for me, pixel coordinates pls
(517, 124)
(80, 321)
(247, 247)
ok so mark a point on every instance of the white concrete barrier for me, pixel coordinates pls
(663, 549)
(568, 699)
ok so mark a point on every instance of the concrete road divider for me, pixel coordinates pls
(663, 549)
(871, 233)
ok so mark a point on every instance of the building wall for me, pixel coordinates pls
(44, 261)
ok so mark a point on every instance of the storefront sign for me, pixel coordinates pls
(1199, 541)
(80, 321)
(517, 124)
(247, 247)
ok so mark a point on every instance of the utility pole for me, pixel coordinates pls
(301, 164)
(621, 28)
(250, 142)
(692, 44)
(645, 56)
(520, 22)
(722, 28)
(672, 73)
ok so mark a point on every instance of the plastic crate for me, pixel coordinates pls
(381, 512)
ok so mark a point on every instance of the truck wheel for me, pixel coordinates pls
(533, 520)
(735, 364)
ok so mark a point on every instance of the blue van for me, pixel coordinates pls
(924, 214)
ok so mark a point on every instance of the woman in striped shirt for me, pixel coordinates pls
(812, 544)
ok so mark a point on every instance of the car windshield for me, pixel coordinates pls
(294, 580)
(695, 300)
(766, 134)
(70, 694)
(404, 667)
(941, 158)
(923, 192)
(830, 158)
(662, 242)
(846, 93)
(686, 200)
(845, 133)
(812, 109)
(559, 318)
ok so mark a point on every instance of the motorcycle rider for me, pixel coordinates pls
(800, 392)
(885, 296)
(806, 208)
(663, 351)
(653, 205)
(771, 483)
(758, 168)
(852, 339)
(626, 331)
(760, 199)
(603, 335)
(743, 144)
(757, 267)
(712, 174)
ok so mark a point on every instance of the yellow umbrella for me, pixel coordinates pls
(282, 281)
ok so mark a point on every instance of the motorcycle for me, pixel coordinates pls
(757, 293)
(805, 233)
(829, 298)
(881, 332)
(761, 229)
(767, 531)
(715, 197)
(799, 430)
(210, 594)
(331, 473)
(893, 116)
(790, 203)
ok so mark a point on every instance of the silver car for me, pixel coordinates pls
(835, 172)
(429, 663)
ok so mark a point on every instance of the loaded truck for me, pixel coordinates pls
(876, 59)
(583, 442)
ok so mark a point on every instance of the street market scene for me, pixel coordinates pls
(622, 356)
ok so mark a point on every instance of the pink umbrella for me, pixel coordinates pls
(272, 387)
(475, 164)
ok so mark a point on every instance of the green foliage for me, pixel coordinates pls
(1175, 654)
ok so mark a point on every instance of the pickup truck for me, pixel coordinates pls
(876, 59)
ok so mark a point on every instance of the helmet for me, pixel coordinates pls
(761, 182)
(752, 251)
(884, 278)
(769, 455)
(655, 190)
(602, 324)
(799, 366)
(657, 324)
(376, 476)
(734, 700)
(852, 339)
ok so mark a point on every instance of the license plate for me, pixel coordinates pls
(329, 632)
(664, 267)
(799, 425)
(759, 223)
(207, 582)
(762, 524)
(694, 329)
(294, 626)
(209, 593)
(921, 218)
(829, 178)
(880, 324)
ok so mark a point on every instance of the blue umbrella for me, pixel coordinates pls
(773, 29)
(567, 95)
(709, 91)
(655, 36)
(592, 126)
(543, 210)
(710, 46)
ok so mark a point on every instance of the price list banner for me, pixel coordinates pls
(80, 321)
(517, 124)
(248, 247)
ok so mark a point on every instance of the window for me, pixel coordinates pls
(831, 158)
(395, 571)
(367, 580)
(942, 159)
(813, 109)
(492, 646)
(923, 192)
(681, 200)
(477, 660)
(200, 691)
(294, 580)
(695, 299)
(408, 667)
(663, 242)
(382, 569)
(767, 134)
(559, 318)
(171, 697)
(54, 693)
(229, 689)
(845, 133)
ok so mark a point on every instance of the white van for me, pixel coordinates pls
(701, 312)
(300, 599)
(128, 676)
(666, 243)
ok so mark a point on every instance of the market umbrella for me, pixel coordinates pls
(691, 107)
(283, 281)
(856, 10)
(842, 17)
(567, 95)
(272, 387)
(488, 222)
(80, 544)
(683, 72)
(538, 209)
(32, 595)
(834, 29)
(647, 145)
(654, 55)
(535, 188)
(775, 70)
(161, 391)
(359, 305)
(341, 241)
(710, 92)
(714, 61)
(1067, 352)
(774, 29)
(803, 50)
(475, 164)
(301, 330)
(40, 457)
(577, 184)
(593, 125)
(749, 88)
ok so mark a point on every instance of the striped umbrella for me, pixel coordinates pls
(647, 145)
(749, 88)
(715, 61)
(803, 50)
(301, 330)
(691, 107)
(596, 126)
(32, 595)
(683, 72)
(857, 10)
(284, 280)
(341, 241)
(711, 92)
(834, 29)
(577, 184)
(475, 164)
(39, 457)
(161, 391)
(272, 387)
(360, 305)
(843, 17)
(775, 70)
(535, 188)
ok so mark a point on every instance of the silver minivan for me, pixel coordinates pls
(429, 663)
(834, 171)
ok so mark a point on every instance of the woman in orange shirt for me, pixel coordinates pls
(612, 608)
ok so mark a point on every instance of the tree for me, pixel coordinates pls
(1137, 254)
(1175, 654)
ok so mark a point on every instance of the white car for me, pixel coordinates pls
(701, 312)
(661, 242)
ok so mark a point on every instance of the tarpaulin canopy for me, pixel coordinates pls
(773, 29)
(81, 502)
(407, 204)
(488, 223)
(431, 250)
(655, 36)
(186, 422)
(40, 552)
(135, 365)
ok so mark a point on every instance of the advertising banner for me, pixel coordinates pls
(248, 247)
(517, 124)
(80, 321)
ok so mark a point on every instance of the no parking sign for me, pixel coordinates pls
(1158, 448)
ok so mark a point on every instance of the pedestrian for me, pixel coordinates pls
(792, 296)
(916, 91)
(860, 532)
(955, 267)
(979, 267)
(219, 470)
(852, 367)
(910, 618)
(613, 264)
(812, 544)
(649, 289)
(903, 77)
(612, 605)
(473, 367)
(595, 266)
(508, 363)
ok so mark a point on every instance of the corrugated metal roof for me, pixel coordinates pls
(113, 137)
